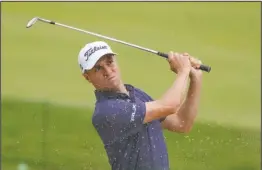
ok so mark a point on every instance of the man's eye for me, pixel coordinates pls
(97, 68)
(110, 61)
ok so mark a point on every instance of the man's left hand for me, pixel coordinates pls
(195, 73)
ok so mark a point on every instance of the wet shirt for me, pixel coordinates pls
(129, 143)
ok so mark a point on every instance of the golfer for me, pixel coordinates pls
(129, 122)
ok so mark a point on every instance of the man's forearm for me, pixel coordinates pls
(189, 108)
(174, 95)
(170, 102)
(183, 119)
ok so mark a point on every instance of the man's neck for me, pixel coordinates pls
(120, 89)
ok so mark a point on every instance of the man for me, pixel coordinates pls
(127, 119)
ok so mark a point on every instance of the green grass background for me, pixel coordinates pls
(47, 105)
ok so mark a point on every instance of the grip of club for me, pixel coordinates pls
(202, 67)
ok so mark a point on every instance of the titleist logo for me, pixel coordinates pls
(90, 51)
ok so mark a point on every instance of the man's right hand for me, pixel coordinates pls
(179, 63)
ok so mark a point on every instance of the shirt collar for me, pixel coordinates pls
(104, 94)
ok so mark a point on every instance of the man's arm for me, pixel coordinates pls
(170, 102)
(182, 121)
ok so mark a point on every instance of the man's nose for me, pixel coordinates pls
(107, 71)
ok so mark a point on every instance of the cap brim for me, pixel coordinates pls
(93, 60)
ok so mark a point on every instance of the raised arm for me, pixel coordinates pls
(171, 101)
(182, 121)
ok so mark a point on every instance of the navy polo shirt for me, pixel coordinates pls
(129, 144)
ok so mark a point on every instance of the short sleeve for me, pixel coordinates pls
(119, 118)
(148, 99)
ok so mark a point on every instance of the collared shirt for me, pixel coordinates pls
(130, 144)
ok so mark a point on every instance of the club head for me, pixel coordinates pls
(31, 22)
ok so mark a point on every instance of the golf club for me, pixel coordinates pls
(35, 19)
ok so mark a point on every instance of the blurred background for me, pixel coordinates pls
(47, 105)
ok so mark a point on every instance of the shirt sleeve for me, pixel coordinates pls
(119, 118)
(149, 98)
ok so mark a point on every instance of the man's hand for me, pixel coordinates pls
(179, 62)
(195, 73)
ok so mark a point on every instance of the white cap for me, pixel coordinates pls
(91, 53)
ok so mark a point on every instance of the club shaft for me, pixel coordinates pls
(98, 35)
(202, 67)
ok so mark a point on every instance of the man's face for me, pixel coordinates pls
(105, 74)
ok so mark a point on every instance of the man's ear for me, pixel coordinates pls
(86, 76)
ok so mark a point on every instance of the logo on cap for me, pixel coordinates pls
(90, 51)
